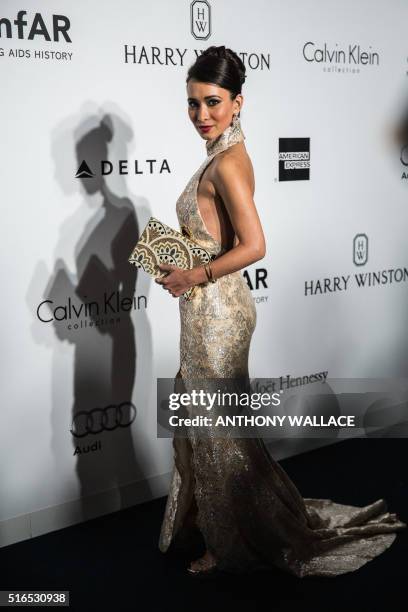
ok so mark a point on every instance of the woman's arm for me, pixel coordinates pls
(232, 182)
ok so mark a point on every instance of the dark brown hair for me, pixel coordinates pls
(220, 66)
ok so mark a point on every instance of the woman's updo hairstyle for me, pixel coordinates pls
(220, 66)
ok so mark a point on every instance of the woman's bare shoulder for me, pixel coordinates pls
(234, 161)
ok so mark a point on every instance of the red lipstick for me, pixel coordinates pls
(205, 128)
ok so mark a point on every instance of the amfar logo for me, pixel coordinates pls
(257, 279)
(84, 171)
(360, 249)
(201, 19)
(294, 159)
(60, 26)
(353, 55)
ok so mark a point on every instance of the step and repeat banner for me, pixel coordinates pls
(95, 139)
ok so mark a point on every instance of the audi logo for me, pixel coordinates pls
(103, 419)
(404, 155)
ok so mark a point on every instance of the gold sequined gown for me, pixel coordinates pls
(241, 501)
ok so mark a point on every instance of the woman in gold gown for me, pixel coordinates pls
(241, 501)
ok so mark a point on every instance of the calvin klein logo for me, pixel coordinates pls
(201, 19)
(353, 55)
(98, 311)
(59, 26)
(360, 249)
(148, 166)
(294, 159)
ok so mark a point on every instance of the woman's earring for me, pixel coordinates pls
(234, 119)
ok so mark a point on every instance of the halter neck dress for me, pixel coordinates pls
(230, 491)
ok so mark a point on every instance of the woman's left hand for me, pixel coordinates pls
(177, 280)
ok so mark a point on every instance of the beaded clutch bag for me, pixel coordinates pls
(159, 243)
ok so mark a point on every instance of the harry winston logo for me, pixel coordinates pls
(201, 19)
(360, 249)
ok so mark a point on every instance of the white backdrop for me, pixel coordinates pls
(65, 240)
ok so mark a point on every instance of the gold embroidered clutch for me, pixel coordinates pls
(159, 243)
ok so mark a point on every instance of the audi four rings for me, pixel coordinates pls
(103, 419)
